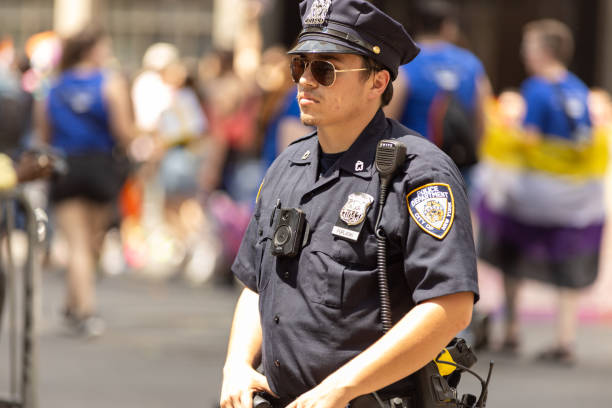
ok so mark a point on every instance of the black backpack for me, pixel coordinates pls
(453, 129)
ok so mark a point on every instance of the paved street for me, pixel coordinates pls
(166, 342)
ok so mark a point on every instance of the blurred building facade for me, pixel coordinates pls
(492, 28)
(133, 24)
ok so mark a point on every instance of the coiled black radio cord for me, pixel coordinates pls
(390, 155)
(381, 263)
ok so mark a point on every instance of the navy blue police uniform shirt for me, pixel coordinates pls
(321, 308)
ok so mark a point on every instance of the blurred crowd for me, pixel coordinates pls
(153, 172)
(165, 178)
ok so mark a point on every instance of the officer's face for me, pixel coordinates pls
(326, 105)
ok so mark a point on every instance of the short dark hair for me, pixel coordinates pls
(76, 47)
(431, 14)
(556, 37)
(372, 68)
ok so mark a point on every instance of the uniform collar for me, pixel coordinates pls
(308, 153)
(359, 158)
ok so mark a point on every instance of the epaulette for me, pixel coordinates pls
(308, 136)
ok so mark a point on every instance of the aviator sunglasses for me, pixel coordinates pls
(324, 72)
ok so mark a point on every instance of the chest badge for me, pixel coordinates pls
(359, 166)
(306, 155)
(352, 215)
(432, 207)
(354, 211)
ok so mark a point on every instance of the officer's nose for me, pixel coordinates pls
(307, 79)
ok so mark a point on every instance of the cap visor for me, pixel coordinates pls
(321, 47)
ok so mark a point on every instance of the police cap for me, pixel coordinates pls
(354, 27)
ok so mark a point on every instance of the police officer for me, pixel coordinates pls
(311, 317)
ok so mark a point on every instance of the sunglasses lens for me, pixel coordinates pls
(323, 72)
(298, 65)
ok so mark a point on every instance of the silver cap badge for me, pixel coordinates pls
(318, 12)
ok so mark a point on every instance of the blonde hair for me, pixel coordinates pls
(556, 37)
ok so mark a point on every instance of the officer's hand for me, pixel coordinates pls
(324, 395)
(239, 384)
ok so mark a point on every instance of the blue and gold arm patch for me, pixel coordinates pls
(432, 207)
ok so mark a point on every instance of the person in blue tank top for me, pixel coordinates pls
(86, 117)
(556, 108)
(442, 73)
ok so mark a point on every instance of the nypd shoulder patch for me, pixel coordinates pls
(432, 207)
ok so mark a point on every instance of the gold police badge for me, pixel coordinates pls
(354, 211)
(432, 207)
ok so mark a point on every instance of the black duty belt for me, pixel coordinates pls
(364, 401)
(371, 401)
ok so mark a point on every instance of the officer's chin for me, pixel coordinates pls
(308, 120)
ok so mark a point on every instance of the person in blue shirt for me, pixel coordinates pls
(441, 95)
(556, 109)
(556, 98)
(86, 117)
(442, 73)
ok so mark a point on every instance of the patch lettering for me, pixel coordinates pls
(432, 207)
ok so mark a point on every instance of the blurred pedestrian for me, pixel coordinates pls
(442, 93)
(542, 214)
(232, 106)
(151, 95)
(87, 117)
(15, 102)
(279, 118)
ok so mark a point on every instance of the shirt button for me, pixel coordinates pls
(276, 319)
(260, 232)
(286, 274)
(277, 363)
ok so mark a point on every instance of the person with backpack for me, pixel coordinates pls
(441, 93)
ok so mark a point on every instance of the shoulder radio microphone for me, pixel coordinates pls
(390, 154)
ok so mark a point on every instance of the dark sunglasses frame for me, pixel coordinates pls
(320, 70)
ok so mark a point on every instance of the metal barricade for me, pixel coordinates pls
(17, 300)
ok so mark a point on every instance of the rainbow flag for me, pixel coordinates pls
(540, 202)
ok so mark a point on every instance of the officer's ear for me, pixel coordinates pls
(380, 80)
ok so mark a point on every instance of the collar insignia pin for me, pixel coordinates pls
(306, 155)
(359, 166)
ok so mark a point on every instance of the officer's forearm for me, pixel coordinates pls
(245, 339)
(409, 345)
